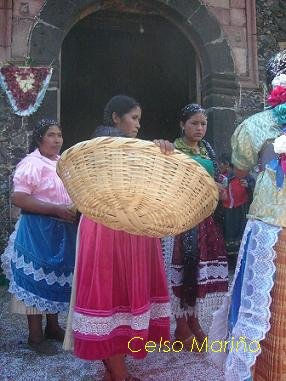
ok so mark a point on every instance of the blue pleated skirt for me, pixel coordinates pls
(41, 262)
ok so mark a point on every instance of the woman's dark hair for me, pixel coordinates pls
(225, 158)
(189, 110)
(106, 131)
(39, 131)
(275, 66)
(120, 104)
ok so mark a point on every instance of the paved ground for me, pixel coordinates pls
(18, 363)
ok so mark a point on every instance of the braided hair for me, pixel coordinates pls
(39, 131)
(189, 239)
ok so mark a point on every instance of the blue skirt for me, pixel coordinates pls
(42, 262)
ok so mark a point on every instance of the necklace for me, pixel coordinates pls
(201, 150)
(195, 149)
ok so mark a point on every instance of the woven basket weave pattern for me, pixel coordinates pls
(128, 184)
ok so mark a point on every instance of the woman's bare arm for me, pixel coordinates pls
(33, 205)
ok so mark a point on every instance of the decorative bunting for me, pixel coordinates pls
(25, 87)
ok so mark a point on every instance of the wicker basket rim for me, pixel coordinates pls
(77, 166)
(119, 142)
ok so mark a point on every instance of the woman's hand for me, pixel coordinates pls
(244, 183)
(222, 192)
(65, 213)
(166, 147)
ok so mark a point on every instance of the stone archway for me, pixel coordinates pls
(219, 84)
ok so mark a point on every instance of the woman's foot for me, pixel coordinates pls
(57, 334)
(131, 378)
(115, 369)
(187, 338)
(196, 328)
(53, 331)
(184, 341)
(189, 344)
(183, 332)
(107, 374)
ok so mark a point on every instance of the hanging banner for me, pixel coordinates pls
(25, 87)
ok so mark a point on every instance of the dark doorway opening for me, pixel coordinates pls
(143, 56)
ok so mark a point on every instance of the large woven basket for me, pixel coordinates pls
(128, 184)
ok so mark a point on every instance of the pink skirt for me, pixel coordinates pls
(121, 296)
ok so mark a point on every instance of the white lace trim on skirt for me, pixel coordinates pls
(204, 306)
(11, 255)
(29, 299)
(95, 325)
(254, 313)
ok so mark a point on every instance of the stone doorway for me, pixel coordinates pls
(145, 56)
(199, 31)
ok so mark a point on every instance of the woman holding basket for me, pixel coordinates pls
(121, 299)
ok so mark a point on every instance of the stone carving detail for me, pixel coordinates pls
(24, 9)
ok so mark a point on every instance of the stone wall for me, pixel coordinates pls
(271, 37)
(271, 30)
(237, 18)
(14, 143)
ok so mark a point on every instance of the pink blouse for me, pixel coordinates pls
(36, 175)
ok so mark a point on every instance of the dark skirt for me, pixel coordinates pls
(234, 221)
(201, 254)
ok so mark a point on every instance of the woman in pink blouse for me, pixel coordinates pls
(39, 259)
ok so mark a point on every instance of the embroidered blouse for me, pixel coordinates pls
(202, 158)
(36, 175)
(250, 139)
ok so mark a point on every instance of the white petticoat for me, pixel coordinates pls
(254, 312)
